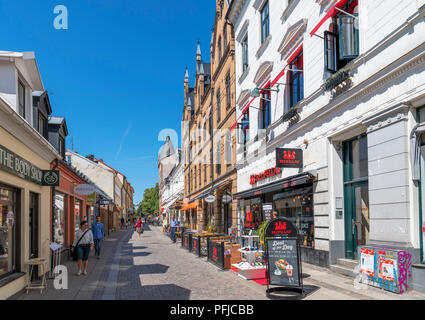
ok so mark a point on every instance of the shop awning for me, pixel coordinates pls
(330, 14)
(188, 206)
(291, 182)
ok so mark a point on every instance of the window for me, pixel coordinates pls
(296, 80)
(225, 37)
(21, 99)
(299, 210)
(42, 125)
(77, 213)
(245, 53)
(228, 90)
(59, 218)
(228, 148)
(245, 128)
(265, 109)
(62, 146)
(342, 40)
(220, 53)
(218, 106)
(205, 169)
(265, 24)
(218, 158)
(8, 232)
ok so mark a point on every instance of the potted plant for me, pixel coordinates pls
(262, 232)
(211, 228)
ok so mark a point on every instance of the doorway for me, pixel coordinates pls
(356, 195)
(33, 226)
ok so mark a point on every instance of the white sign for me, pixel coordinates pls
(84, 189)
(367, 262)
(10, 219)
(210, 199)
(226, 198)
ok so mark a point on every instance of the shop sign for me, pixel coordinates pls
(289, 158)
(226, 198)
(281, 227)
(91, 197)
(84, 189)
(267, 209)
(423, 228)
(51, 178)
(104, 202)
(10, 219)
(264, 175)
(210, 199)
(12, 163)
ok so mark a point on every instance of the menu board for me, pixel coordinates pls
(283, 262)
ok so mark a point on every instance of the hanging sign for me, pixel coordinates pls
(84, 189)
(209, 199)
(91, 198)
(289, 158)
(51, 178)
(226, 198)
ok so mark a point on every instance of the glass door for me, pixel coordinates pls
(33, 225)
(422, 204)
(8, 214)
(356, 195)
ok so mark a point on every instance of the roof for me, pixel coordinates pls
(60, 122)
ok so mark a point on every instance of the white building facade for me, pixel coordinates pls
(342, 84)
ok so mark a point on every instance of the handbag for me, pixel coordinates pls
(74, 254)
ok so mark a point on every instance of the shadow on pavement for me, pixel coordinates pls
(165, 292)
(290, 295)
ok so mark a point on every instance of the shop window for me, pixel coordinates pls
(77, 212)
(299, 210)
(8, 238)
(59, 218)
(252, 214)
(342, 40)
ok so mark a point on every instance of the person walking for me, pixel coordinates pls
(139, 227)
(122, 223)
(98, 231)
(174, 225)
(83, 243)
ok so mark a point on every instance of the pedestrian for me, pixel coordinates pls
(174, 225)
(83, 243)
(139, 227)
(98, 236)
(122, 223)
(275, 215)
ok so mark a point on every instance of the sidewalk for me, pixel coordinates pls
(80, 287)
(324, 284)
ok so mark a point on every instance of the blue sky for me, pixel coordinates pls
(116, 74)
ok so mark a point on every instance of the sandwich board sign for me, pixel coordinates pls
(283, 257)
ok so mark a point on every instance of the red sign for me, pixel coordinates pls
(423, 228)
(281, 227)
(214, 255)
(289, 158)
(263, 175)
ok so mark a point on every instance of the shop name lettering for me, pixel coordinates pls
(266, 174)
(20, 166)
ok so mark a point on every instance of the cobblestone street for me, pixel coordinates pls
(154, 268)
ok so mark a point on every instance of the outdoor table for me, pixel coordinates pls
(31, 264)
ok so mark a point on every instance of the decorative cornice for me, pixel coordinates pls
(263, 71)
(387, 117)
(293, 38)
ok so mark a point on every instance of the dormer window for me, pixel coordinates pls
(21, 99)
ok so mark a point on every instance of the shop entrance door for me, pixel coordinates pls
(33, 225)
(356, 195)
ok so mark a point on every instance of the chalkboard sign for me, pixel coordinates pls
(284, 267)
(283, 262)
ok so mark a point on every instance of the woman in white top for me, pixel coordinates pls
(84, 238)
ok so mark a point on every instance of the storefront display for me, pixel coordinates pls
(253, 214)
(59, 218)
(299, 210)
(7, 229)
(77, 211)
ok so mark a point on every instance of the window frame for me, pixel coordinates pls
(265, 109)
(245, 57)
(23, 105)
(294, 64)
(265, 21)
